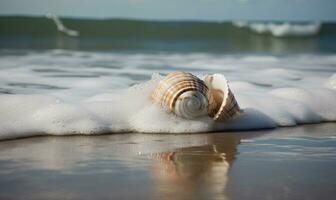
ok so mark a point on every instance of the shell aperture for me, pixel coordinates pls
(227, 107)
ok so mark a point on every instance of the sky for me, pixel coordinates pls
(317, 10)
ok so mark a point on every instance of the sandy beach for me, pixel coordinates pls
(284, 163)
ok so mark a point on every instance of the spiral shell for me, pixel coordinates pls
(183, 94)
(227, 107)
(190, 97)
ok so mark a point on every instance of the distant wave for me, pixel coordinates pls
(27, 32)
(281, 29)
(146, 29)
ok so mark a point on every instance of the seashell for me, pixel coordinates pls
(190, 97)
(183, 94)
(227, 107)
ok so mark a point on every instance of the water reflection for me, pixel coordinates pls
(167, 166)
(63, 42)
(265, 43)
(198, 172)
(188, 167)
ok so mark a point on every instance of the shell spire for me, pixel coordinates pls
(183, 94)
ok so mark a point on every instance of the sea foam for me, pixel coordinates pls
(281, 29)
(130, 110)
(61, 92)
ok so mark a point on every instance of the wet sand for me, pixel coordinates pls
(285, 163)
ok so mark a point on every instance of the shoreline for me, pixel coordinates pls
(196, 133)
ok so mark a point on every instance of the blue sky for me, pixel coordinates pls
(177, 9)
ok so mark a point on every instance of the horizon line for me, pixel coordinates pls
(160, 20)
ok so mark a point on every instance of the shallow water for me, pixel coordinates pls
(287, 163)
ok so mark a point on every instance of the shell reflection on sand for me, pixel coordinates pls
(194, 172)
(184, 167)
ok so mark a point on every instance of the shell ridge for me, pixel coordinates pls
(173, 94)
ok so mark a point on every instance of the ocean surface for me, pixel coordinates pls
(77, 76)
(50, 32)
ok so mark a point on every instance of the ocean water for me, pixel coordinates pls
(53, 83)
(237, 37)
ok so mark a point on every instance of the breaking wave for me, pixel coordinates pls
(281, 29)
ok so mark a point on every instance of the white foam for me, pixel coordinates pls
(131, 110)
(281, 29)
(273, 91)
